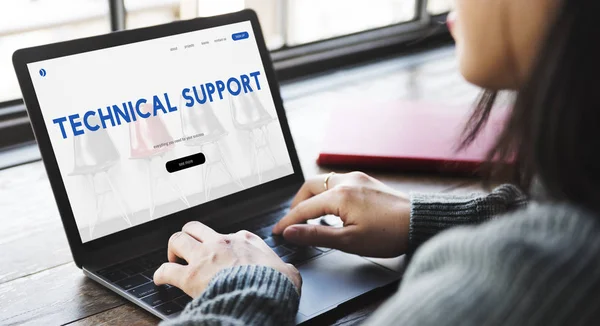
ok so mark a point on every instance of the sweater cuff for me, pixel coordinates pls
(256, 295)
(433, 213)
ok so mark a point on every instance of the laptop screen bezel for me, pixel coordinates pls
(81, 250)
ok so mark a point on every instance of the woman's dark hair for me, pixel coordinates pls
(553, 133)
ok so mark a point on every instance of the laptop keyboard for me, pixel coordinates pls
(135, 276)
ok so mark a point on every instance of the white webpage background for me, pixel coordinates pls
(92, 80)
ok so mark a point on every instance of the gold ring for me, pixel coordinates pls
(325, 183)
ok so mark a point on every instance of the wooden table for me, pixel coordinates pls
(40, 285)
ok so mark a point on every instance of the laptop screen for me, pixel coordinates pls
(144, 130)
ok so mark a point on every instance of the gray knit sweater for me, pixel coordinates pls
(536, 265)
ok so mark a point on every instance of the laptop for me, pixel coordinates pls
(144, 130)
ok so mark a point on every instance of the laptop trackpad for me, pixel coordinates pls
(336, 278)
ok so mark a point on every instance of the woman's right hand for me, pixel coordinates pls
(376, 217)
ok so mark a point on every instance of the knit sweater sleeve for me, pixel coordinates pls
(535, 266)
(243, 295)
(432, 213)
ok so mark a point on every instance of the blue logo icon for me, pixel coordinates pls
(43, 72)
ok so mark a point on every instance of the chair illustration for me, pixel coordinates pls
(249, 115)
(202, 126)
(144, 135)
(94, 155)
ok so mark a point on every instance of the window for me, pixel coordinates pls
(143, 13)
(436, 7)
(25, 23)
(287, 23)
(314, 20)
(305, 36)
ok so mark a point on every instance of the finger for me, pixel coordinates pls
(314, 186)
(319, 205)
(169, 273)
(307, 190)
(182, 245)
(316, 235)
(247, 235)
(199, 231)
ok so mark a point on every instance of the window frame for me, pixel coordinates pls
(290, 62)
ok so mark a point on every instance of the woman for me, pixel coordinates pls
(538, 262)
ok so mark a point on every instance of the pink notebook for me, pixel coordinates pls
(405, 136)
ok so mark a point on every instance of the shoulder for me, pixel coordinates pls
(547, 226)
(527, 264)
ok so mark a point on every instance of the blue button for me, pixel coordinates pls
(239, 36)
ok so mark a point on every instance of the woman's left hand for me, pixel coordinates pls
(207, 252)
